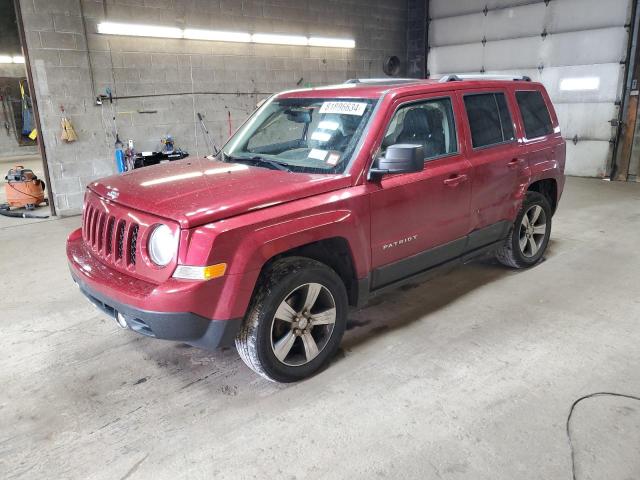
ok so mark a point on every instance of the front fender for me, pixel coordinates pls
(245, 243)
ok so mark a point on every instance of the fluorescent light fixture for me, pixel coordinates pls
(130, 29)
(332, 42)
(215, 35)
(11, 59)
(580, 83)
(279, 39)
(135, 30)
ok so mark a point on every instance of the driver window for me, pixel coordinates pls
(429, 123)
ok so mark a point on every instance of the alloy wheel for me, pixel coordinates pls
(533, 229)
(303, 324)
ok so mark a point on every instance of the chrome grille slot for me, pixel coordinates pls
(108, 249)
(133, 244)
(120, 240)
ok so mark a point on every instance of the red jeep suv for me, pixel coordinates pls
(322, 198)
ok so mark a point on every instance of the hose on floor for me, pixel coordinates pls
(4, 210)
(573, 406)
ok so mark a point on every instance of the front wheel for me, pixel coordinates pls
(529, 237)
(296, 320)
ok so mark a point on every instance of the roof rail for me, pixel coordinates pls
(382, 80)
(452, 77)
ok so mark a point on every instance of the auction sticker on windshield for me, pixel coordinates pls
(344, 108)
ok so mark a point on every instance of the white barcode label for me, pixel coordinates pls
(344, 108)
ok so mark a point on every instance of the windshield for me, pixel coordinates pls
(301, 134)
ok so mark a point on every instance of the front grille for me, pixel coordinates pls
(133, 244)
(120, 239)
(102, 231)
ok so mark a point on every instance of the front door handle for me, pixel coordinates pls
(455, 180)
(514, 162)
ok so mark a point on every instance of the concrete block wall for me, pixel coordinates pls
(223, 81)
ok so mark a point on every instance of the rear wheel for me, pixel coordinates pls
(527, 242)
(296, 320)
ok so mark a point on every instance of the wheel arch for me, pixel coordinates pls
(334, 252)
(549, 188)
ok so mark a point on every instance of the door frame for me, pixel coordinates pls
(34, 103)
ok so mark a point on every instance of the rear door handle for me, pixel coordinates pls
(455, 180)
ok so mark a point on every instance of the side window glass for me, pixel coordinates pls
(535, 115)
(489, 119)
(430, 124)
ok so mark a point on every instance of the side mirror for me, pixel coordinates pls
(399, 158)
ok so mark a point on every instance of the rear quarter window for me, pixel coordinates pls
(535, 114)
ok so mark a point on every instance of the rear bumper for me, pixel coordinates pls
(169, 311)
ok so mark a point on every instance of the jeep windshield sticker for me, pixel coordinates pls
(344, 108)
(321, 136)
(328, 125)
(317, 154)
(333, 158)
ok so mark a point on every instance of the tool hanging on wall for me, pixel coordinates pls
(68, 134)
(27, 115)
(119, 152)
(210, 143)
(229, 121)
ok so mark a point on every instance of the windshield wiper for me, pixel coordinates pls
(257, 160)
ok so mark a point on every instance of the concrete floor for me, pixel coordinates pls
(469, 376)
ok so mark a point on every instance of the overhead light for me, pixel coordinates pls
(279, 39)
(216, 35)
(332, 42)
(129, 29)
(580, 83)
(11, 59)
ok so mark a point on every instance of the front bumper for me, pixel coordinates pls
(177, 326)
(174, 304)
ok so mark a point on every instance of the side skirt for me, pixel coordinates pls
(432, 263)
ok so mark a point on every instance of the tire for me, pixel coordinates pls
(527, 242)
(270, 326)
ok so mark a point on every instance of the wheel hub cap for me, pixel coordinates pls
(303, 324)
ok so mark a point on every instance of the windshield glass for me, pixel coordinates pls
(302, 134)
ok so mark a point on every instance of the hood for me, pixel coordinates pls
(195, 191)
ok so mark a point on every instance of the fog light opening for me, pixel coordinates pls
(121, 321)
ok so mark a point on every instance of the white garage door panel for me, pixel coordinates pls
(457, 30)
(605, 45)
(581, 52)
(571, 15)
(448, 8)
(587, 158)
(524, 21)
(456, 58)
(586, 120)
(513, 53)
(609, 75)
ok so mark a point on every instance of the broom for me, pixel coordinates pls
(68, 134)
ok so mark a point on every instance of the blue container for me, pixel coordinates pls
(120, 160)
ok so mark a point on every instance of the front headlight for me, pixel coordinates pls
(162, 246)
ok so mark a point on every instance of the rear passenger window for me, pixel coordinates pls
(535, 115)
(489, 119)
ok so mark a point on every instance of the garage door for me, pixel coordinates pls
(574, 47)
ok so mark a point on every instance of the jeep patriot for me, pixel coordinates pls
(321, 199)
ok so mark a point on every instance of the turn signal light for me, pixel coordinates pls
(189, 272)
